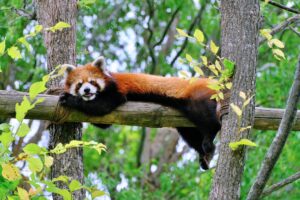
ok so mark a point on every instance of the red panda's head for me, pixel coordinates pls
(86, 81)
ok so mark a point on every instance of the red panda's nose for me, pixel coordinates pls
(87, 90)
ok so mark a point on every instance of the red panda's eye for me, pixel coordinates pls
(79, 84)
(92, 82)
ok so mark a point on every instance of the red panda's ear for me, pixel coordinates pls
(68, 68)
(100, 63)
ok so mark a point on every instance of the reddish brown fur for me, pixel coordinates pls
(145, 83)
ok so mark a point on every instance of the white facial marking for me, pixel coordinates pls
(87, 91)
(101, 83)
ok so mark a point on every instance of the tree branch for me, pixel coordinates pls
(131, 113)
(281, 27)
(278, 5)
(281, 184)
(191, 28)
(279, 140)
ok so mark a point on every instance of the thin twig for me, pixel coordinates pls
(167, 27)
(278, 5)
(191, 28)
(24, 13)
(281, 27)
(281, 184)
(278, 143)
(295, 31)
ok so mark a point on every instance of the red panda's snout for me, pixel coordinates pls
(86, 81)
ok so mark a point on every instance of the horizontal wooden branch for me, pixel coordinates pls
(131, 113)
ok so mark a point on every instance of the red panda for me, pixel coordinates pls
(93, 90)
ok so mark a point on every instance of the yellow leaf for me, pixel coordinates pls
(236, 109)
(199, 35)
(183, 74)
(10, 172)
(59, 26)
(193, 79)
(23, 41)
(245, 128)
(48, 161)
(228, 85)
(213, 69)
(198, 71)
(247, 101)
(188, 57)
(38, 28)
(2, 47)
(278, 43)
(14, 52)
(23, 194)
(242, 95)
(182, 33)
(278, 53)
(213, 47)
(266, 33)
(74, 143)
(221, 95)
(204, 60)
(218, 66)
(234, 145)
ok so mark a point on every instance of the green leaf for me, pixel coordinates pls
(86, 3)
(64, 179)
(14, 52)
(22, 109)
(234, 145)
(59, 149)
(36, 88)
(32, 148)
(59, 26)
(5, 127)
(2, 47)
(213, 47)
(182, 33)
(23, 41)
(23, 130)
(229, 65)
(10, 172)
(75, 185)
(35, 164)
(97, 193)
(63, 192)
(6, 138)
(199, 36)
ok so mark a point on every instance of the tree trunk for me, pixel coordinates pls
(61, 47)
(239, 38)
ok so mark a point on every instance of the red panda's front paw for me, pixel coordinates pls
(63, 98)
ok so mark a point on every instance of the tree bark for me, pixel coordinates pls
(61, 47)
(239, 42)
